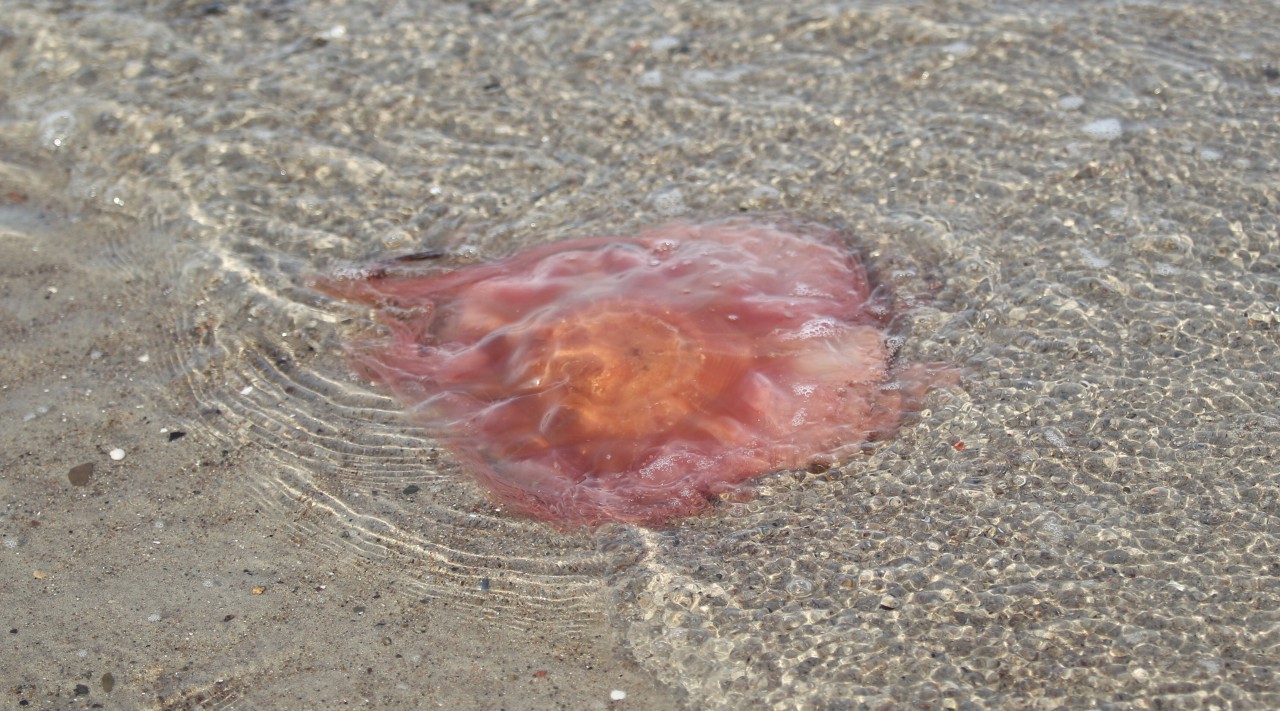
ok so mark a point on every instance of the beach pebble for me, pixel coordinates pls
(665, 44)
(650, 80)
(1104, 129)
(116, 454)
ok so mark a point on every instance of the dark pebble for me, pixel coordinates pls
(80, 473)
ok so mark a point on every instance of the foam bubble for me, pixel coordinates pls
(803, 289)
(817, 328)
(658, 467)
(56, 129)
(466, 252)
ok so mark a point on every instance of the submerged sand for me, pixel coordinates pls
(1073, 203)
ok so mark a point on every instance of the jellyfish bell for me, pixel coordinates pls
(636, 378)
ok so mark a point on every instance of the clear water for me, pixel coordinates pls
(1078, 201)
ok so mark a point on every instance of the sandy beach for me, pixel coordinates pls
(203, 506)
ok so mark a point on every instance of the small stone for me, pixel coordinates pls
(116, 454)
(80, 474)
(617, 695)
(1104, 129)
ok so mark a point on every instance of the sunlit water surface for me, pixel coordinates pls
(1075, 202)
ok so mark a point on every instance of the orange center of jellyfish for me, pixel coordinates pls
(629, 370)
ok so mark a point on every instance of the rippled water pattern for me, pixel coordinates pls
(1074, 201)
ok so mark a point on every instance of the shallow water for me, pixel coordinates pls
(1074, 201)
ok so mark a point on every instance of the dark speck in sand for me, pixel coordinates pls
(80, 474)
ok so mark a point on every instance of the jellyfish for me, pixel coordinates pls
(640, 378)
